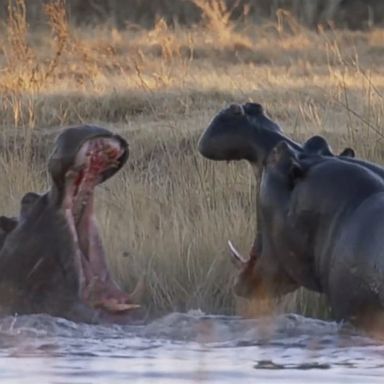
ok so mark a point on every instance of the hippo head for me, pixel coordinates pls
(245, 132)
(82, 158)
(85, 156)
(52, 259)
(240, 132)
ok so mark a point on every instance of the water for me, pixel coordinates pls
(187, 348)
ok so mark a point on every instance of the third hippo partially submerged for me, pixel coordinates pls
(53, 260)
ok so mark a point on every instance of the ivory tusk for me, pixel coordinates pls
(115, 306)
(236, 254)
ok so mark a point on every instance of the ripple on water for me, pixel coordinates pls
(186, 347)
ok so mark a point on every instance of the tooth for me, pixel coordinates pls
(236, 255)
(113, 305)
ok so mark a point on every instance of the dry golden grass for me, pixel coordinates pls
(169, 214)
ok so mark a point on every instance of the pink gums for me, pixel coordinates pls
(97, 286)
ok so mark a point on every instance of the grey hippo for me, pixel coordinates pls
(245, 132)
(52, 258)
(322, 224)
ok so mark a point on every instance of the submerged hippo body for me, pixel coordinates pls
(325, 220)
(53, 260)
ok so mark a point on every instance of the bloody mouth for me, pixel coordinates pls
(96, 286)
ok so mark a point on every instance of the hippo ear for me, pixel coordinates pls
(27, 203)
(284, 158)
(280, 154)
(8, 224)
(295, 172)
(347, 152)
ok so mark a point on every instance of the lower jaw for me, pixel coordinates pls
(97, 289)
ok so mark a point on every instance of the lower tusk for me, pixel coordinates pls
(112, 305)
(236, 254)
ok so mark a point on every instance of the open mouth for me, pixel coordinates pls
(95, 159)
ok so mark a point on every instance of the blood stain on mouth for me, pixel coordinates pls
(93, 160)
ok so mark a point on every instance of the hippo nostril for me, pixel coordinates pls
(236, 109)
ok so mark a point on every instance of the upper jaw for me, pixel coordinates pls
(68, 145)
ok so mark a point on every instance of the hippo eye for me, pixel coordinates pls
(253, 109)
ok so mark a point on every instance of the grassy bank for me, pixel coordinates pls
(169, 213)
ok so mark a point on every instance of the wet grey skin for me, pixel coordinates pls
(241, 132)
(322, 223)
(245, 132)
(52, 260)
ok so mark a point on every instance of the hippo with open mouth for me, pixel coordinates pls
(52, 260)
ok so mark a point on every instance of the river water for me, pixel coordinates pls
(187, 348)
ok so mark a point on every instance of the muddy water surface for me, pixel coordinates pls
(187, 348)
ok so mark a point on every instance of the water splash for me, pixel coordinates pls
(186, 348)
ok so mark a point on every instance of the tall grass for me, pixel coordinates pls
(355, 14)
(169, 213)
